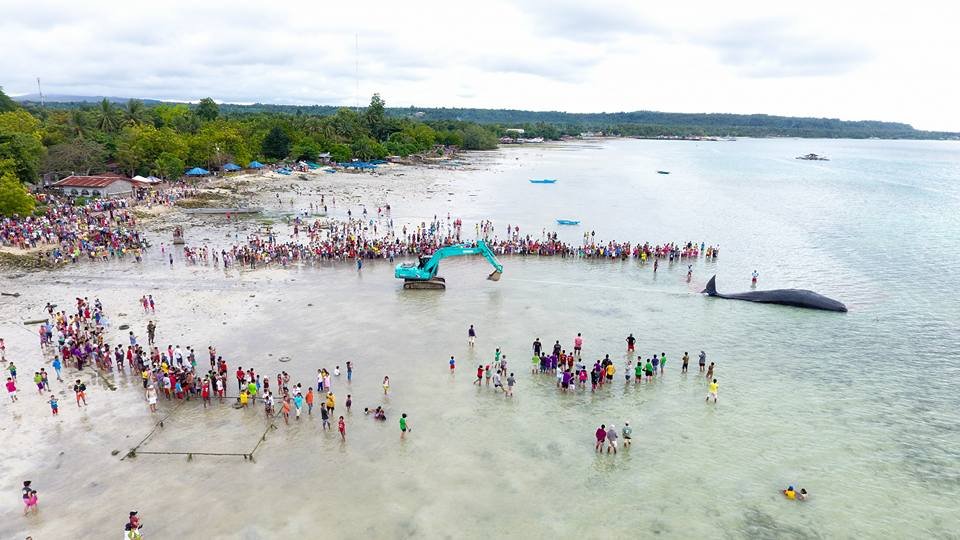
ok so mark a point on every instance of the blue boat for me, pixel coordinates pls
(544, 181)
(568, 222)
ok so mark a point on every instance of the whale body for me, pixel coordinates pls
(787, 297)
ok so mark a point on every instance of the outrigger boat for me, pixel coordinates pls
(568, 222)
(544, 181)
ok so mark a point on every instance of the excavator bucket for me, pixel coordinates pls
(495, 276)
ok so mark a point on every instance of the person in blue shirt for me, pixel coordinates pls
(57, 366)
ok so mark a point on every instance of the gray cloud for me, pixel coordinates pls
(777, 48)
(596, 21)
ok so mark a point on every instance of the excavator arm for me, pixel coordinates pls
(424, 274)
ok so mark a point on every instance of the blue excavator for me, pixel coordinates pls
(423, 274)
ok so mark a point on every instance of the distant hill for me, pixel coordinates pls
(66, 98)
(555, 123)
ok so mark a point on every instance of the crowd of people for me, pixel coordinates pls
(572, 373)
(362, 237)
(98, 229)
(172, 373)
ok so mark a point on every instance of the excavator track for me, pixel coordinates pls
(437, 283)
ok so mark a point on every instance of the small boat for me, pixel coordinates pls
(663, 172)
(813, 157)
(544, 181)
(568, 222)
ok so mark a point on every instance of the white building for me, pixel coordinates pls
(105, 185)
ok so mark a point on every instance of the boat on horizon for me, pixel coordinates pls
(568, 222)
(813, 157)
(663, 172)
(544, 181)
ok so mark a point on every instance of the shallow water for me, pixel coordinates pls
(859, 408)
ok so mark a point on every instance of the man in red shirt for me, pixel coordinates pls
(241, 378)
(601, 437)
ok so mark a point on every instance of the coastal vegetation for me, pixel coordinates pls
(164, 139)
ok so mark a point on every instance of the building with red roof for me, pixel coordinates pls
(102, 185)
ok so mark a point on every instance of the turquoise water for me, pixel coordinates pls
(859, 408)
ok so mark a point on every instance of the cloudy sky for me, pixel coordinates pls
(848, 59)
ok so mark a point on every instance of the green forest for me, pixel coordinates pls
(165, 139)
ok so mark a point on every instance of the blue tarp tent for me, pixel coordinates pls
(231, 167)
(197, 171)
(359, 165)
(255, 165)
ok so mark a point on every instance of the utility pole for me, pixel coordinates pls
(356, 70)
(40, 92)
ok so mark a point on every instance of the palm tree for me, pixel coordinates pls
(134, 113)
(107, 118)
(78, 123)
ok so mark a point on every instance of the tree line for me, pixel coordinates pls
(165, 139)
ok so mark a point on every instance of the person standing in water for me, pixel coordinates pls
(404, 426)
(686, 361)
(471, 336)
(342, 428)
(753, 278)
(631, 342)
(714, 387)
(577, 345)
(612, 439)
(710, 372)
(703, 360)
(601, 435)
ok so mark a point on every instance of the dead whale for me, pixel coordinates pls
(787, 297)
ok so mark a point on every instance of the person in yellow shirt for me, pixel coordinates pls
(244, 398)
(331, 402)
(713, 391)
(790, 493)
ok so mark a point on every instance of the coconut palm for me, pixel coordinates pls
(107, 118)
(79, 123)
(134, 113)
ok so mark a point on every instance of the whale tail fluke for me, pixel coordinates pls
(711, 286)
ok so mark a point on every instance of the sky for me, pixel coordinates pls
(852, 60)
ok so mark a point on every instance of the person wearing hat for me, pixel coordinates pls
(790, 493)
(612, 439)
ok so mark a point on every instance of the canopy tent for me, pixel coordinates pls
(197, 171)
(363, 165)
(255, 165)
(232, 167)
(146, 179)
